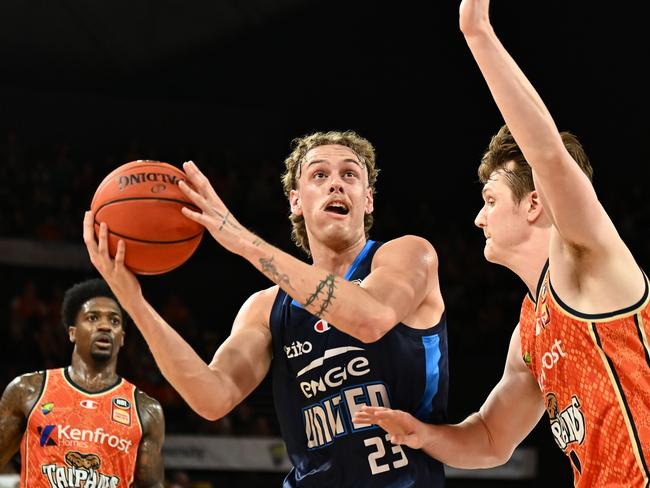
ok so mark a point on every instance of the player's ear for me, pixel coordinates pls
(72, 334)
(370, 201)
(294, 202)
(534, 206)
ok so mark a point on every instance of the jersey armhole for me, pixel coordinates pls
(40, 394)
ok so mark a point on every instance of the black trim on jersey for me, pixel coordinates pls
(597, 316)
(68, 378)
(639, 448)
(539, 283)
(40, 394)
(137, 409)
(638, 331)
(576, 461)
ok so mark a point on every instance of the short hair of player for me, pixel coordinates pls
(503, 150)
(80, 293)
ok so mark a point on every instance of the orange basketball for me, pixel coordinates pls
(141, 203)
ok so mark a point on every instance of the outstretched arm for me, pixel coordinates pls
(240, 364)
(484, 439)
(569, 195)
(149, 467)
(367, 312)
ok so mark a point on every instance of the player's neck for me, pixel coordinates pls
(529, 262)
(336, 259)
(92, 375)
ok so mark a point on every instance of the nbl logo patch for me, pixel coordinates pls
(121, 411)
(46, 435)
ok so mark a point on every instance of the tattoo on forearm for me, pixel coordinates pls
(269, 269)
(327, 287)
(257, 241)
(225, 219)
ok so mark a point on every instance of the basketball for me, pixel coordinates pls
(141, 204)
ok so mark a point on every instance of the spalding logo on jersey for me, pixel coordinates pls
(321, 326)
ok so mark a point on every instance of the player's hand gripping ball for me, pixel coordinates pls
(141, 204)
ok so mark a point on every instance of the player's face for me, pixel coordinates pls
(333, 194)
(503, 221)
(98, 331)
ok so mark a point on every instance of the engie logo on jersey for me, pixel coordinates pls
(321, 326)
(334, 376)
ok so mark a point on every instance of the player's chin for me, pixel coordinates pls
(102, 354)
(490, 254)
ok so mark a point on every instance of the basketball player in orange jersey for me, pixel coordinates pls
(333, 333)
(84, 425)
(581, 349)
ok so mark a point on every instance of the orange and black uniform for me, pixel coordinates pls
(75, 438)
(594, 372)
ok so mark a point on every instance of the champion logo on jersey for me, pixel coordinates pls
(46, 435)
(47, 407)
(321, 326)
(89, 404)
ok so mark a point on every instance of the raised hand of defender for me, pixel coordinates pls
(474, 16)
(402, 427)
(214, 214)
(121, 280)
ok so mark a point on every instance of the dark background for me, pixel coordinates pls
(86, 86)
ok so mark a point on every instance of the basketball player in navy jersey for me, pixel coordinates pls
(363, 324)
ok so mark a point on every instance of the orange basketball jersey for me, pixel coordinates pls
(75, 438)
(594, 372)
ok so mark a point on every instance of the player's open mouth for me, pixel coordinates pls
(338, 208)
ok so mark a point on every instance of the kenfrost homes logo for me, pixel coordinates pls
(549, 360)
(68, 436)
(336, 376)
(46, 435)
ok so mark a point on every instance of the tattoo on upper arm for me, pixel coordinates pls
(327, 286)
(269, 269)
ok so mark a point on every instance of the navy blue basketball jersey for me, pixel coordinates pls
(321, 376)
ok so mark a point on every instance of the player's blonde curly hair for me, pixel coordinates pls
(301, 146)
